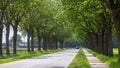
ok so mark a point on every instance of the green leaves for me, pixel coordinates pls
(83, 15)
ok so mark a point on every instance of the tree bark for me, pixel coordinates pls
(52, 43)
(93, 41)
(105, 43)
(100, 42)
(28, 42)
(107, 33)
(39, 43)
(56, 45)
(1, 31)
(61, 44)
(44, 43)
(49, 43)
(108, 49)
(32, 41)
(95, 38)
(3, 7)
(7, 38)
(109, 40)
(15, 40)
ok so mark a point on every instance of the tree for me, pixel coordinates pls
(17, 11)
(113, 6)
(3, 6)
(7, 23)
(91, 17)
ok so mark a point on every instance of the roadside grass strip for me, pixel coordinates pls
(80, 61)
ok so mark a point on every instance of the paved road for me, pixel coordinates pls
(55, 60)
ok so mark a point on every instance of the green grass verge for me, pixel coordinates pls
(25, 55)
(112, 62)
(80, 61)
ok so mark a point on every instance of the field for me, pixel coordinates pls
(18, 50)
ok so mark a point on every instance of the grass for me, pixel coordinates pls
(80, 61)
(24, 55)
(112, 62)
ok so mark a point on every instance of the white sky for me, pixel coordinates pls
(11, 34)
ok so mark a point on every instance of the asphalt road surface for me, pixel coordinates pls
(55, 60)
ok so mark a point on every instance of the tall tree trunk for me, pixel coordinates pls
(15, 29)
(3, 6)
(7, 38)
(49, 43)
(52, 44)
(95, 38)
(1, 31)
(28, 42)
(56, 44)
(105, 43)
(39, 43)
(15, 40)
(109, 40)
(32, 41)
(100, 45)
(108, 49)
(102, 48)
(107, 34)
(44, 43)
(61, 44)
(117, 26)
(92, 41)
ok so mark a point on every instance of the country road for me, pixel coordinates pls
(55, 60)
